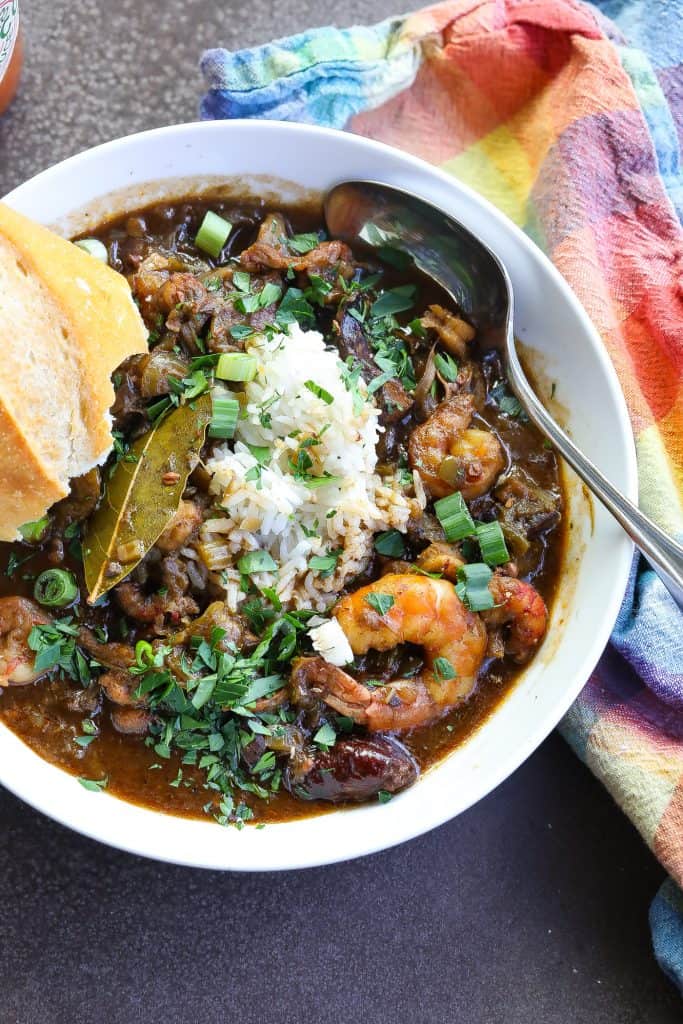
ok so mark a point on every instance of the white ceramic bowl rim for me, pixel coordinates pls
(347, 834)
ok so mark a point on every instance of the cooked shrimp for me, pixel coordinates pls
(130, 721)
(521, 609)
(441, 557)
(120, 687)
(454, 333)
(109, 653)
(18, 616)
(424, 611)
(451, 456)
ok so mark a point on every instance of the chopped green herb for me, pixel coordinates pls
(446, 366)
(324, 564)
(294, 307)
(84, 741)
(246, 303)
(507, 403)
(380, 602)
(302, 244)
(443, 669)
(15, 561)
(325, 736)
(319, 392)
(242, 281)
(393, 301)
(240, 331)
(256, 561)
(34, 532)
(94, 785)
(269, 294)
(384, 796)
(318, 289)
(390, 544)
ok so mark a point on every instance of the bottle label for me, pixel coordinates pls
(9, 27)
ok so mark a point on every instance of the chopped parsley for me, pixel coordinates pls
(443, 670)
(390, 544)
(304, 243)
(506, 402)
(256, 561)
(242, 281)
(380, 602)
(324, 565)
(295, 307)
(210, 721)
(325, 736)
(55, 646)
(446, 366)
(94, 785)
(393, 301)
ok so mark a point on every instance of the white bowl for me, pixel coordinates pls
(262, 155)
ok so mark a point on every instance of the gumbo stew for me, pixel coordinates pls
(323, 546)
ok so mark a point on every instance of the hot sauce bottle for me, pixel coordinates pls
(11, 53)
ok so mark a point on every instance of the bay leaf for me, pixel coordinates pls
(137, 505)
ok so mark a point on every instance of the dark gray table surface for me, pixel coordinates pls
(531, 908)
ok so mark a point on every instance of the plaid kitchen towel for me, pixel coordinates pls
(571, 126)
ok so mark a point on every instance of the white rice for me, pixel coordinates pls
(274, 511)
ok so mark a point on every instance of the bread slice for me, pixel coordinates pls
(66, 322)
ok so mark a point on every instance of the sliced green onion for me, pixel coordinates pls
(237, 366)
(454, 516)
(473, 586)
(34, 532)
(256, 561)
(224, 415)
(213, 234)
(157, 409)
(492, 543)
(94, 248)
(319, 392)
(313, 482)
(144, 654)
(390, 544)
(55, 588)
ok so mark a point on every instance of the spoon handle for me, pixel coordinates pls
(662, 552)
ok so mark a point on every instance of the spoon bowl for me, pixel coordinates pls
(388, 218)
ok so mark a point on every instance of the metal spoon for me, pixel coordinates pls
(382, 216)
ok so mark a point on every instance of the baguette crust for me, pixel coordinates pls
(66, 322)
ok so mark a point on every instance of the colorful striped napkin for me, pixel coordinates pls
(548, 110)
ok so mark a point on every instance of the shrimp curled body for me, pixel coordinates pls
(18, 616)
(451, 456)
(426, 612)
(520, 610)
